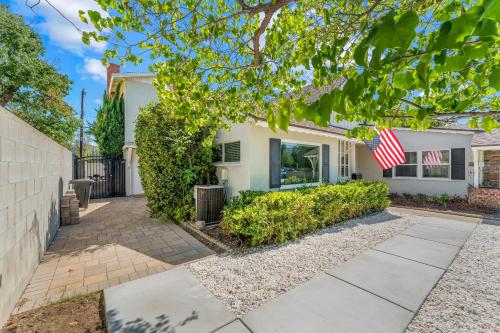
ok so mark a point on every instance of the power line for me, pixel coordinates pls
(53, 7)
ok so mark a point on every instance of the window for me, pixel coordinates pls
(409, 168)
(436, 164)
(344, 159)
(299, 163)
(227, 152)
(232, 151)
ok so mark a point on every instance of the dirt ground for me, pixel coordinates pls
(72, 315)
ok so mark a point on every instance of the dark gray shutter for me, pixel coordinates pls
(274, 163)
(387, 173)
(458, 163)
(325, 165)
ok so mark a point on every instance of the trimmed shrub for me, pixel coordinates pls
(271, 218)
(172, 159)
(276, 217)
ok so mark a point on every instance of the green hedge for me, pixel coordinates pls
(276, 217)
(172, 159)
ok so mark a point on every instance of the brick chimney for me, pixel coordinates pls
(112, 69)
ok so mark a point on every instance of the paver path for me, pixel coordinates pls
(379, 290)
(115, 242)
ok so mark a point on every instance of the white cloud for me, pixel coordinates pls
(61, 32)
(93, 68)
(98, 101)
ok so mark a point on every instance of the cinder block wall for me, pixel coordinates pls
(34, 172)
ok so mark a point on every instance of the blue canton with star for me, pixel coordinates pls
(373, 143)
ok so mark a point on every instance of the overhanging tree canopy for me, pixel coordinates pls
(29, 86)
(404, 62)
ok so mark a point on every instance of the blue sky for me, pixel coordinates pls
(66, 52)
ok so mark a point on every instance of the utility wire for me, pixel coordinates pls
(53, 7)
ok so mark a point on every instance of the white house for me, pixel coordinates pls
(252, 156)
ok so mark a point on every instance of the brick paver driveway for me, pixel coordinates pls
(115, 242)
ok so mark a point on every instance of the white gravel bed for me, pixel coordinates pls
(245, 280)
(467, 298)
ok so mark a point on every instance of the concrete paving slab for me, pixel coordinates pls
(170, 301)
(421, 250)
(437, 234)
(234, 327)
(450, 224)
(396, 279)
(327, 304)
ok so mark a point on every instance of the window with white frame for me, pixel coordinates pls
(344, 158)
(228, 152)
(409, 168)
(436, 164)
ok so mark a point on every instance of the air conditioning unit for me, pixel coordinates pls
(209, 200)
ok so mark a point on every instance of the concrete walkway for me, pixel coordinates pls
(115, 242)
(377, 291)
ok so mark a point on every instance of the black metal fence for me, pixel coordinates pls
(108, 175)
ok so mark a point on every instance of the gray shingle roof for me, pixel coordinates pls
(486, 139)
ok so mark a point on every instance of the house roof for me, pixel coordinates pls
(117, 77)
(486, 139)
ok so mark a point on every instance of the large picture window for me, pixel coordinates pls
(409, 168)
(436, 164)
(299, 163)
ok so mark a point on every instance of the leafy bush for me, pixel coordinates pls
(172, 159)
(275, 217)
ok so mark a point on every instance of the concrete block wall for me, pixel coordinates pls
(34, 172)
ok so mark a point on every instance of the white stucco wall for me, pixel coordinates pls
(253, 170)
(419, 141)
(238, 172)
(34, 172)
(137, 93)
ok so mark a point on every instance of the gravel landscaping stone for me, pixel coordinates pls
(247, 279)
(467, 298)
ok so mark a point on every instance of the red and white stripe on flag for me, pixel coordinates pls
(389, 151)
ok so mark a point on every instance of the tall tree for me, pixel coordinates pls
(109, 127)
(405, 61)
(29, 86)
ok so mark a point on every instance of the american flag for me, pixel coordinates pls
(432, 158)
(386, 149)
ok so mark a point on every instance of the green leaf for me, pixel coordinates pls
(405, 28)
(494, 78)
(81, 13)
(403, 80)
(361, 54)
(491, 10)
(94, 16)
(454, 32)
(454, 63)
(475, 51)
(488, 123)
(486, 28)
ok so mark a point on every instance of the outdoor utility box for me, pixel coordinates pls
(356, 176)
(82, 189)
(209, 200)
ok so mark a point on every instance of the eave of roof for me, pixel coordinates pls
(117, 77)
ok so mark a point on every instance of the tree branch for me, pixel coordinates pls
(453, 114)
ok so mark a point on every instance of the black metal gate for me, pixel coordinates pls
(108, 175)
